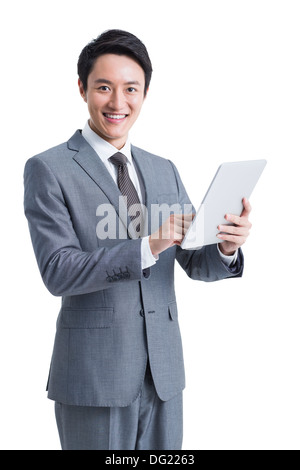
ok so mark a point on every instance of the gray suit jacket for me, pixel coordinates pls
(114, 317)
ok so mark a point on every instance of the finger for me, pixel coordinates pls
(238, 241)
(176, 230)
(233, 230)
(244, 215)
(183, 216)
(187, 217)
(179, 234)
(177, 226)
(247, 208)
(183, 220)
(186, 224)
(240, 221)
(180, 231)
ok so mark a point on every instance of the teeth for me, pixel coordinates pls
(115, 116)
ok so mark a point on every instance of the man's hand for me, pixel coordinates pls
(171, 233)
(235, 235)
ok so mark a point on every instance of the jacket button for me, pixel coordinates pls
(142, 313)
(115, 277)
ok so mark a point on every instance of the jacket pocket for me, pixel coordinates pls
(173, 312)
(86, 318)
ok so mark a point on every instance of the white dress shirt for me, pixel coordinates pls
(105, 150)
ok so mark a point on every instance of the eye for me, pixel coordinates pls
(131, 89)
(103, 88)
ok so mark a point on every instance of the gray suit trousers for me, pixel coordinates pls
(147, 424)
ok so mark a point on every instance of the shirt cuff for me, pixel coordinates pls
(228, 260)
(148, 259)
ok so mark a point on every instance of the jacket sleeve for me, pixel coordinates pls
(65, 268)
(204, 264)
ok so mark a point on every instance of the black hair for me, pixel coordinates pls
(114, 41)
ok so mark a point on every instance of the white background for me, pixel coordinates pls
(225, 87)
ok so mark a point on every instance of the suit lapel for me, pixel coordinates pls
(89, 161)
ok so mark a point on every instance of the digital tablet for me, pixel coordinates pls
(232, 182)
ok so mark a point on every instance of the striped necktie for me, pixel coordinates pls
(125, 184)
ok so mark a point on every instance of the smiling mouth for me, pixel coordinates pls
(115, 117)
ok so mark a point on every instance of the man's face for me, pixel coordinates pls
(115, 95)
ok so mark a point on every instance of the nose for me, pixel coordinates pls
(117, 100)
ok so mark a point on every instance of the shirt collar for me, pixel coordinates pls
(103, 148)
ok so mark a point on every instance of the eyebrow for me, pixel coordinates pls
(108, 82)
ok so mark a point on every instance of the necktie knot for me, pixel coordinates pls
(118, 159)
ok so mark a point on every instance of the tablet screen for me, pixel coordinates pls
(231, 183)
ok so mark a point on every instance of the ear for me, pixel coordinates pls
(81, 90)
(145, 96)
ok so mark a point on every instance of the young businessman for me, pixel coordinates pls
(117, 370)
